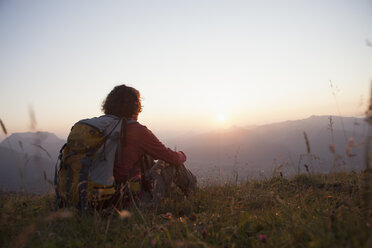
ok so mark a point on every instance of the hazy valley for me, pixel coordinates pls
(237, 153)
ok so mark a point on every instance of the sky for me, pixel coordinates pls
(200, 65)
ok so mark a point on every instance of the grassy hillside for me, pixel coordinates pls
(306, 211)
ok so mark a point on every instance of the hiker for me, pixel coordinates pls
(139, 148)
(109, 161)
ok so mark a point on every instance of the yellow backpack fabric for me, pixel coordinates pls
(84, 174)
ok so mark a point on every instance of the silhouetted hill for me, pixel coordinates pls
(259, 150)
(31, 154)
(18, 169)
(35, 144)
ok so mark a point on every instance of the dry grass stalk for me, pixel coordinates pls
(335, 90)
(123, 214)
(44, 150)
(350, 145)
(330, 127)
(21, 145)
(307, 143)
(3, 127)
(33, 121)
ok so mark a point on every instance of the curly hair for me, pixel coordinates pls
(123, 101)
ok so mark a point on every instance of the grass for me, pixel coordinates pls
(306, 211)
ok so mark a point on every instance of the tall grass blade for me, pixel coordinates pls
(44, 150)
(307, 143)
(33, 122)
(3, 127)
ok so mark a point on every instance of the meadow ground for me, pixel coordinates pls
(305, 211)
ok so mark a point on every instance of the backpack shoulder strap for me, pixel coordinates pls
(123, 137)
(122, 140)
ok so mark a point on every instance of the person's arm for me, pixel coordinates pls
(152, 146)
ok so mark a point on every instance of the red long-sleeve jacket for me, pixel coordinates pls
(139, 141)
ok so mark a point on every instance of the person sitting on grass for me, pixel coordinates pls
(139, 151)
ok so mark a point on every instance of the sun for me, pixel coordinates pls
(221, 118)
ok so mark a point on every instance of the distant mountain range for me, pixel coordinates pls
(27, 161)
(19, 171)
(42, 144)
(279, 147)
(243, 152)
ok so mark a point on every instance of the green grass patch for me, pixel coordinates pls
(306, 211)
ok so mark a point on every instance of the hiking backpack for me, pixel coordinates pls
(84, 170)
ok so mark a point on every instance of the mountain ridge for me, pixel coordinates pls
(43, 144)
(248, 152)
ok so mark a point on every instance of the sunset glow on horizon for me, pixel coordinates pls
(221, 117)
(199, 66)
